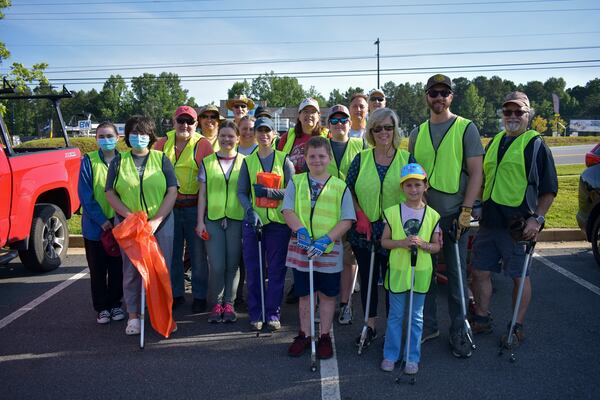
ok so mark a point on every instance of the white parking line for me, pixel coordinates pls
(330, 379)
(590, 286)
(36, 302)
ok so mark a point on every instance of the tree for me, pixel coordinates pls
(116, 100)
(312, 92)
(4, 53)
(539, 124)
(473, 106)
(558, 124)
(239, 88)
(278, 91)
(335, 97)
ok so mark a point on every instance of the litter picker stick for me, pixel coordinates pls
(363, 334)
(142, 315)
(313, 351)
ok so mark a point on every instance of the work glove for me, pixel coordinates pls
(260, 190)
(464, 218)
(252, 218)
(303, 237)
(363, 225)
(318, 247)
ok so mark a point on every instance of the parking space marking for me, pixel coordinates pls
(36, 302)
(590, 286)
(330, 379)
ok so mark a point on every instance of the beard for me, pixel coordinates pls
(514, 126)
(437, 106)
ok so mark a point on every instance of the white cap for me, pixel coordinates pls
(309, 102)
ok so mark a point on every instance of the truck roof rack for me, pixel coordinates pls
(8, 92)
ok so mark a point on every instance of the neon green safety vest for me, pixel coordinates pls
(99, 172)
(449, 156)
(506, 183)
(291, 138)
(185, 166)
(325, 215)
(254, 165)
(397, 277)
(214, 143)
(372, 196)
(221, 193)
(145, 195)
(353, 147)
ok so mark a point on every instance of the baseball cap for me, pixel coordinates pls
(412, 170)
(309, 102)
(519, 98)
(339, 109)
(376, 92)
(186, 110)
(210, 108)
(264, 121)
(262, 112)
(438, 79)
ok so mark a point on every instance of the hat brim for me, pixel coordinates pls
(376, 93)
(412, 176)
(438, 83)
(517, 102)
(231, 102)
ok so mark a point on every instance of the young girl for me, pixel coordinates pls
(318, 208)
(222, 227)
(408, 224)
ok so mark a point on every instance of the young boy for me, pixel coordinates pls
(318, 209)
(408, 224)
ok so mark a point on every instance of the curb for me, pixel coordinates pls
(547, 235)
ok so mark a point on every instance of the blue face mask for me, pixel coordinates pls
(139, 142)
(107, 144)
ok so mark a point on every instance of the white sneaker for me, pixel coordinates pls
(411, 368)
(103, 317)
(274, 325)
(117, 314)
(345, 316)
(133, 327)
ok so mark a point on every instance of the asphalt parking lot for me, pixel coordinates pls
(51, 347)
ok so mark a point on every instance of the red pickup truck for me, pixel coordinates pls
(38, 193)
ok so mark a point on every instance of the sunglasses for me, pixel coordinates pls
(508, 113)
(335, 121)
(378, 129)
(377, 98)
(435, 93)
(183, 120)
(242, 105)
(212, 116)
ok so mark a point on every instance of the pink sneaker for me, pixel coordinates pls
(216, 314)
(229, 314)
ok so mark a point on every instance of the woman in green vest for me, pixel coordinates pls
(142, 180)
(106, 273)
(220, 216)
(374, 180)
(408, 224)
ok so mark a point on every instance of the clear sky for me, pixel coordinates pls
(88, 40)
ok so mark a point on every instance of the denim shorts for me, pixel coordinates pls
(492, 246)
(328, 284)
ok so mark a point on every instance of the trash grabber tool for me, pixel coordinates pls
(467, 332)
(363, 333)
(511, 334)
(258, 230)
(413, 264)
(313, 350)
(142, 315)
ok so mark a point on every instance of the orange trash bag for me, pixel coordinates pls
(135, 237)
(271, 181)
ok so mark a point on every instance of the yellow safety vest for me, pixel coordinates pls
(397, 277)
(353, 147)
(254, 165)
(186, 168)
(449, 155)
(291, 138)
(327, 212)
(506, 183)
(99, 173)
(146, 194)
(372, 196)
(221, 193)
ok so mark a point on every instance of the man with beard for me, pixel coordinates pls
(449, 148)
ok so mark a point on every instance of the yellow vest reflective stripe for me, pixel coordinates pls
(221, 193)
(506, 183)
(372, 196)
(397, 277)
(327, 212)
(99, 172)
(267, 215)
(145, 195)
(449, 155)
(185, 166)
(353, 147)
(291, 138)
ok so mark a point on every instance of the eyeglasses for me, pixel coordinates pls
(435, 93)
(377, 98)
(211, 116)
(240, 105)
(388, 128)
(184, 120)
(508, 113)
(335, 121)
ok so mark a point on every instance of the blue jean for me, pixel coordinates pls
(393, 334)
(185, 222)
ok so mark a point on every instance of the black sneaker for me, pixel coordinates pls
(460, 344)
(199, 306)
(371, 335)
(177, 301)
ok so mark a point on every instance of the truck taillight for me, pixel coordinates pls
(593, 157)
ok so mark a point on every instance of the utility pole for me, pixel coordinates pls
(377, 43)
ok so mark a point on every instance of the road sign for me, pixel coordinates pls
(85, 124)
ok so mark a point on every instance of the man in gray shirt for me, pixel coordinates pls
(449, 148)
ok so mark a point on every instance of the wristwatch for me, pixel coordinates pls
(539, 219)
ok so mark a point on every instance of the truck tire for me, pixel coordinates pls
(48, 239)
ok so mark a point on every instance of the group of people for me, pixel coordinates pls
(247, 204)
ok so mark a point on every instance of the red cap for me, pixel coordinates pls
(186, 110)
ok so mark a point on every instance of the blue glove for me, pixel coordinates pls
(303, 238)
(252, 218)
(260, 190)
(318, 247)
